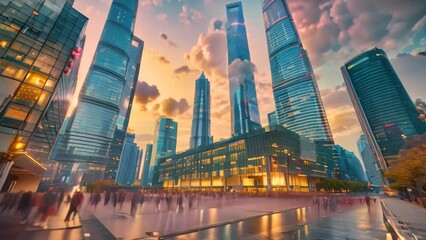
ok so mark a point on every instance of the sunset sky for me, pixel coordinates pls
(184, 37)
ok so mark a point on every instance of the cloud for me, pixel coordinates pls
(330, 28)
(241, 68)
(411, 71)
(344, 123)
(187, 15)
(163, 59)
(161, 16)
(209, 53)
(145, 94)
(182, 69)
(336, 98)
(171, 107)
(167, 41)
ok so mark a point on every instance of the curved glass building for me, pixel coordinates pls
(244, 108)
(90, 132)
(200, 133)
(127, 95)
(165, 139)
(384, 109)
(297, 98)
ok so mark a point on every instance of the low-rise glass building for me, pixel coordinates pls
(271, 158)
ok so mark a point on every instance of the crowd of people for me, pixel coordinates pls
(36, 208)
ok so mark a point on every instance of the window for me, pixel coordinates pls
(36, 79)
(27, 95)
(15, 115)
(32, 120)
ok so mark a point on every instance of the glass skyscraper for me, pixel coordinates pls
(200, 133)
(90, 133)
(272, 118)
(132, 73)
(130, 158)
(165, 137)
(146, 163)
(297, 98)
(349, 165)
(242, 89)
(40, 47)
(371, 163)
(384, 109)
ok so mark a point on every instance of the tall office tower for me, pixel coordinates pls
(88, 138)
(350, 166)
(40, 46)
(297, 98)
(244, 109)
(130, 158)
(272, 118)
(146, 163)
(132, 73)
(371, 163)
(384, 109)
(165, 137)
(200, 133)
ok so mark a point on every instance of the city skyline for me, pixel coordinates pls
(166, 79)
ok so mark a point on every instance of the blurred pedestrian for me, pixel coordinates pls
(75, 205)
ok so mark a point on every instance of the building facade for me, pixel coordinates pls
(132, 73)
(200, 131)
(40, 47)
(244, 108)
(130, 160)
(349, 165)
(297, 98)
(146, 164)
(165, 139)
(271, 158)
(371, 163)
(384, 109)
(88, 138)
(272, 118)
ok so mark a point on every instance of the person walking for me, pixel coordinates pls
(75, 204)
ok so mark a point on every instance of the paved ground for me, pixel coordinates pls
(11, 228)
(413, 216)
(250, 219)
(247, 219)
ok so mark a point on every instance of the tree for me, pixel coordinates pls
(410, 170)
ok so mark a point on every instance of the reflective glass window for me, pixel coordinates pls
(27, 95)
(32, 120)
(36, 79)
(43, 100)
(15, 115)
(111, 59)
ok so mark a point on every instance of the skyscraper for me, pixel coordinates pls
(272, 118)
(132, 73)
(200, 133)
(130, 158)
(371, 163)
(40, 47)
(242, 89)
(349, 165)
(90, 133)
(297, 98)
(384, 109)
(165, 137)
(146, 164)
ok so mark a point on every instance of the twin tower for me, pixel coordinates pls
(297, 98)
